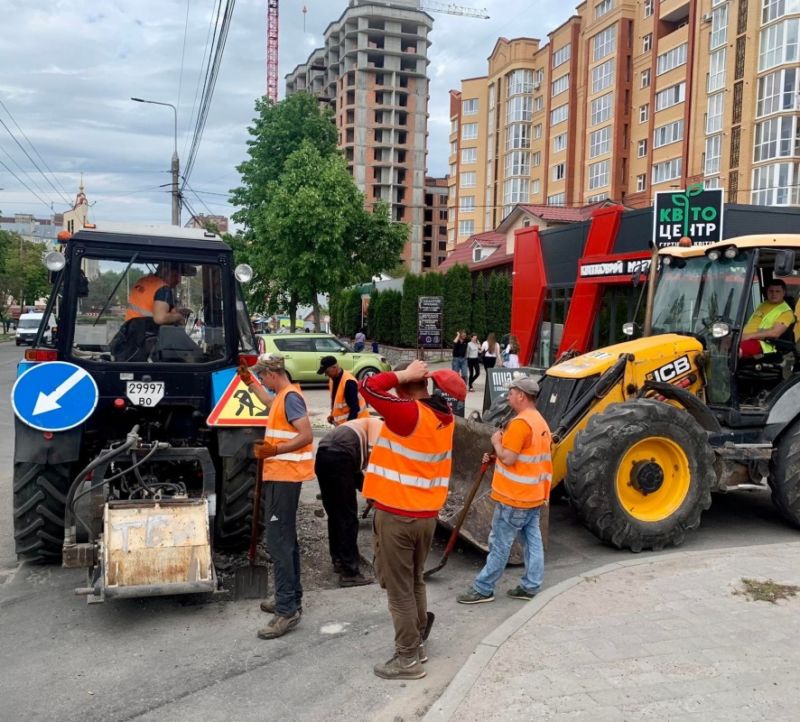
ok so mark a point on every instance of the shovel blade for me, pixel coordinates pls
(250, 582)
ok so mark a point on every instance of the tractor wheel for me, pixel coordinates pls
(40, 495)
(784, 475)
(640, 475)
(235, 502)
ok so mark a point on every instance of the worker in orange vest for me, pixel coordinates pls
(407, 480)
(151, 297)
(287, 453)
(520, 486)
(346, 403)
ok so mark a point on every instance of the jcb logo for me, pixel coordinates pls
(672, 370)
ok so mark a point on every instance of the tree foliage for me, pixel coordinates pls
(23, 276)
(478, 321)
(498, 304)
(457, 300)
(412, 290)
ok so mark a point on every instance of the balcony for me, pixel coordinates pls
(673, 11)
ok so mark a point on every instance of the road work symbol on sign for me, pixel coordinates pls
(238, 407)
(54, 396)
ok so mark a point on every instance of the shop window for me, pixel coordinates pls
(551, 329)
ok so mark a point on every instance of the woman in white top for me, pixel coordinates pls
(491, 352)
(512, 353)
(473, 360)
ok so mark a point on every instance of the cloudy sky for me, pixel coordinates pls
(69, 67)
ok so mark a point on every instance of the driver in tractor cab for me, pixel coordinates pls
(769, 321)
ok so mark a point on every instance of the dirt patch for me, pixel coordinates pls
(766, 591)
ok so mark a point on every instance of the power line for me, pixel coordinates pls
(23, 171)
(186, 185)
(183, 53)
(25, 185)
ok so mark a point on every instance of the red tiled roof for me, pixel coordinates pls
(560, 213)
(462, 253)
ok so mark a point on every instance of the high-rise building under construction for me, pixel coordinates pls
(373, 71)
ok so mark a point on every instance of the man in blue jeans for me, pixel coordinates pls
(460, 354)
(520, 486)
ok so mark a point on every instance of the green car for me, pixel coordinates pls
(303, 352)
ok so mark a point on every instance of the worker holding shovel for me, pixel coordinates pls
(520, 486)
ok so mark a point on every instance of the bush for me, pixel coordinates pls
(457, 301)
(478, 322)
(413, 286)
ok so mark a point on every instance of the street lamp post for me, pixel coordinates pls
(176, 195)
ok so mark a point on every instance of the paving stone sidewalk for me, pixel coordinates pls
(664, 637)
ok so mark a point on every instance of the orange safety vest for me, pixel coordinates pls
(297, 465)
(142, 298)
(411, 473)
(339, 407)
(526, 483)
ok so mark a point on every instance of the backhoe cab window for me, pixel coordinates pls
(139, 311)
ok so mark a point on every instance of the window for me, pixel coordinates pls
(518, 136)
(454, 125)
(647, 43)
(711, 183)
(671, 96)
(776, 138)
(648, 8)
(538, 104)
(641, 182)
(600, 142)
(778, 44)
(559, 114)
(518, 163)
(469, 107)
(519, 82)
(714, 116)
(468, 180)
(719, 27)
(604, 43)
(537, 131)
(778, 91)
(671, 59)
(537, 159)
(713, 152)
(669, 133)
(645, 78)
(469, 131)
(559, 85)
(776, 185)
(601, 109)
(666, 171)
(774, 9)
(519, 108)
(515, 190)
(598, 174)
(557, 172)
(469, 155)
(557, 199)
(597, 197)
(453, 168)
(603, 7)
(602, 76)
(716, 70)
(559, 142)
(641, 148)
(535, 187)
(561, 55)
(467, 203)
(644, 112)
(466, 228)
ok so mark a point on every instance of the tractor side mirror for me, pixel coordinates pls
(83, 286)
(784, 263)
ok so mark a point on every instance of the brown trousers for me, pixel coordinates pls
(402, 544)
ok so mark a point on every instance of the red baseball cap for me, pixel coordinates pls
(450, 383)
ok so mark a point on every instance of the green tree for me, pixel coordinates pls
(433, 284)
(394, 302)
(457, 300)
(23, 275)
(478, 322)
(353, 311)
(498, 304)
(412, 287)
(372, 325)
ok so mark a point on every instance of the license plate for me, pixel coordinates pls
(144, 393)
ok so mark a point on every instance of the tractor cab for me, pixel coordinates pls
(711, 293)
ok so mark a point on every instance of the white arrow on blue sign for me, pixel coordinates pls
(54, 396)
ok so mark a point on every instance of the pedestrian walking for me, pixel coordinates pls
(287, 453)
(520, 486)
(360, 341)
(459, 363)
(407, 479)
(346, 402)
(473, 360)
(490, 350)
(511, 353)
(340, 462)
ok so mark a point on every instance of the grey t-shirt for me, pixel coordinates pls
(295, 407)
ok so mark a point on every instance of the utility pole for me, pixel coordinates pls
(175, 166)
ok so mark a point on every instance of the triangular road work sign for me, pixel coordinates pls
(238, 407)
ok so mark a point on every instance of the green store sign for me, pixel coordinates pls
(695, 213)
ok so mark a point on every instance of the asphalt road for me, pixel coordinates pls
(184, 658)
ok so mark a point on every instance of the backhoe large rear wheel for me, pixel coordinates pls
(784, 475)
(40, 493)
(640, 475)
(235, 502)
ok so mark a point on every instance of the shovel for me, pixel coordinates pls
(451, 542)
(251, 581)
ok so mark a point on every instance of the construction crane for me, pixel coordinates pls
(273, 25)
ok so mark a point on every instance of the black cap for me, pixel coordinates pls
(325, 363)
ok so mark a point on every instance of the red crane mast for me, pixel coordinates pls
(272, 50)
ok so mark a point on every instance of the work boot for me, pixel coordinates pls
(519, 592)
(400, 667)
(268, 606)
(472, 596)
(278, 626)
(354, 580)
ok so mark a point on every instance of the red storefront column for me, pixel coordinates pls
(586, 296)
(528, 289)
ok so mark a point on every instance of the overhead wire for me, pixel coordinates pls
(25, 185)
(183, 54)
(23, 171)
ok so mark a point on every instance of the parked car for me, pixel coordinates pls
(303, 352)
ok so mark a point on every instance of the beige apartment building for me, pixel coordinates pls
(626, 99)
(373, 70)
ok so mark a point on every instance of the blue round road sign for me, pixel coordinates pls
(54, 396)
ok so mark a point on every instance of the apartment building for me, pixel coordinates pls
(373, 71)
(626, 99)
(434, 230)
